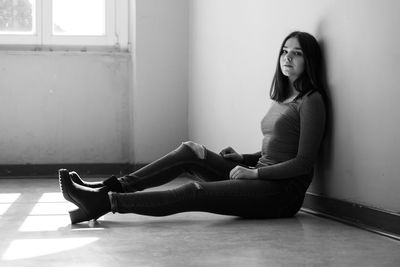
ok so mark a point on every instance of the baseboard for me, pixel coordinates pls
(372, 219)
(50, 170)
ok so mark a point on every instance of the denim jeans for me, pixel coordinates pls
(212, 191)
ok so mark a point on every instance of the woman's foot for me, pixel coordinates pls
(78, 180)
(111, 183)
(92, 202)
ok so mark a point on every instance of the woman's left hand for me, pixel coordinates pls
(240, 172)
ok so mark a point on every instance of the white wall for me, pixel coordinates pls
(361, 158)
(160, 93)
(63, 108)
(233, 50)
(100, 108)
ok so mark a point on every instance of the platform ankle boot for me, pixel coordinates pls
(92, 203)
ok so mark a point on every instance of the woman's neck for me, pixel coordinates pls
(292, 93)
(292, 90)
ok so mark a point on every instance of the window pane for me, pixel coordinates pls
(17, 16)
(79, 17)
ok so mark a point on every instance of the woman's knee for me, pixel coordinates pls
(199, 150)
(189, 191)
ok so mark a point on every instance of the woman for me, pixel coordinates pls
(268, 184)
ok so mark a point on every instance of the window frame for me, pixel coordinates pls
(116, 34)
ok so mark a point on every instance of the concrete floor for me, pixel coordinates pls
(35, 231)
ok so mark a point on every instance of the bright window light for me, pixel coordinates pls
(52, 208)
(44, 223)
(52, 204)
(50, 214)
(9, 197)
(17, 17)
(56, 24)
(6, 200)
(88, 17)
(51, 197)
(30, 248)
(4, 208)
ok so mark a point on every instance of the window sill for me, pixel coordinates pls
(34, 49)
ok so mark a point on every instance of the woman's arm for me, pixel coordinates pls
(312, 126)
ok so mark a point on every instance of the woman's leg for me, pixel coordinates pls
(188, 157)
(243, 198)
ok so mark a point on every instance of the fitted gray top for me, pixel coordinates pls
(292, 136)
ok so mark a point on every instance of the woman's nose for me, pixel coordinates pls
(288, 57)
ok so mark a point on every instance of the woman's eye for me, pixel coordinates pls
(298, 53)
(284, 52)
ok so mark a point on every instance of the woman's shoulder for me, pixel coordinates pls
(313, 96)
(313, 99)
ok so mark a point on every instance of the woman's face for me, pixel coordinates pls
(291, 59)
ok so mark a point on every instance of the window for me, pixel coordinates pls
(60, 23)
(89, 18)
(17, 17)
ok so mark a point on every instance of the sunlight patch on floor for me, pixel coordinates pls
(44, 223)
(50, 213)
(4, 208)
(6, 200)
(52, 204)
(30, 248)
(51, 197)
(9, 197)
(52, 208)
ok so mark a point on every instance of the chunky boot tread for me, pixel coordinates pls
(64, 181)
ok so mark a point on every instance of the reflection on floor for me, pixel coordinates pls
(35, 231)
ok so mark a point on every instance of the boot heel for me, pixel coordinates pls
(78, 216)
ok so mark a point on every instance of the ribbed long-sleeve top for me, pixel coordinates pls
(292, 135)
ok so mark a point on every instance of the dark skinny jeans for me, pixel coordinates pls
(212, 192)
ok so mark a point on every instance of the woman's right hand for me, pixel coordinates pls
(231, 154)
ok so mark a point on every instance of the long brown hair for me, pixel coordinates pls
(310, 80)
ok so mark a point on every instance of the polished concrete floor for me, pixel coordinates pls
(35, 231)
